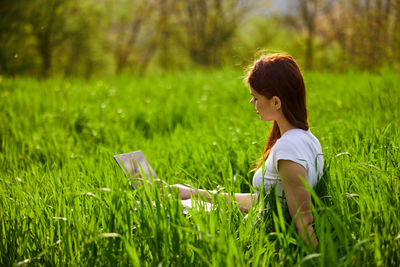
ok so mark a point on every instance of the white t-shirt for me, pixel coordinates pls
(296, 145)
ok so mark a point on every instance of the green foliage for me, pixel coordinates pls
(92, 38)
(53, 37)
(267, 35)
(64, 201)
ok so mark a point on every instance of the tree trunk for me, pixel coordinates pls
(44, 33)
(396, 31)
(45, 52)
(309, 50)
(309, 15)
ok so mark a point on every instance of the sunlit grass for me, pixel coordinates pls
(63, 199)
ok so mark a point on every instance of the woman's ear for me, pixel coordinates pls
(276, 101)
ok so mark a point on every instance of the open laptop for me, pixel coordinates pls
(135, 166)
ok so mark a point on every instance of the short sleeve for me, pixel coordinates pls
(288, 151)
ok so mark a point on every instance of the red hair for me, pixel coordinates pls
(278, 75)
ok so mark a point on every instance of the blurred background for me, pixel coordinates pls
(88, 38)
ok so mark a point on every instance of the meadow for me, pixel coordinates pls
(64, 201)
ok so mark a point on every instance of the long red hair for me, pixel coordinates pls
(278, 75)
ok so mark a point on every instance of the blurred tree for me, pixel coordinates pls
(308, 11)
(139, 29)
(84, 52)
(15, 56)
(46, 37)
(304, 17)
(129, 17)
(367, 31)
(48, 19)
(395, 37)
(168, 31)
(209, 25)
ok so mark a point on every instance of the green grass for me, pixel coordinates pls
(63, 200)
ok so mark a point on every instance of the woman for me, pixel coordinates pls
(292, 153)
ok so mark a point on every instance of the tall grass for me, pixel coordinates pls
(63, 200)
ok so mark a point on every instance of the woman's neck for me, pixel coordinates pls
(284, 125)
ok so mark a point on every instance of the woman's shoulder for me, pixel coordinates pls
(297, 136)
(292, 137)
(298, 140)
(300, 146)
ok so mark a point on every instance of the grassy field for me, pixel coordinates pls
(63, 200)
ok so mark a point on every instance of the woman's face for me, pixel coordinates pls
(266, 108)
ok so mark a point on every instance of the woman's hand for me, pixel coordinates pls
(140, 182)
(185, 192)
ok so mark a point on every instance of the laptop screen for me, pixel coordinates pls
(131, 163)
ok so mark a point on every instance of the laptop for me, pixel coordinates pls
(135, 166)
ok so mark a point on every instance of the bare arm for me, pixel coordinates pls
(298, 198)
(245, 200)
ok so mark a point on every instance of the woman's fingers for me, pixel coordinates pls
(184, 191)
